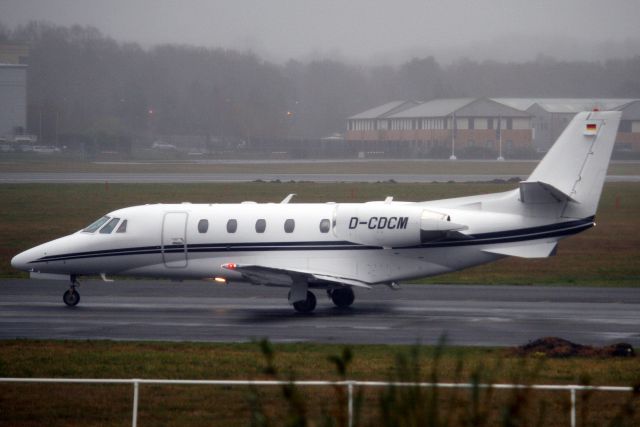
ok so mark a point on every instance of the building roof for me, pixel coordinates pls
(385, 110)
(435, 108)
(565, 105)
(464, 107)
(506, 107)
(631, 110)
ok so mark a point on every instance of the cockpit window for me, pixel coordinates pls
(123, 227)
(93, 227)
(110, 226)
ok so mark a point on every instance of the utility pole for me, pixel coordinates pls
(453, 137)
(499, 130)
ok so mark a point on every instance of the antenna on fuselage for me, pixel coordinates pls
(287, 199)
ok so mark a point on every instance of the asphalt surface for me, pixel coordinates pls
(202, 311)
(175, 178)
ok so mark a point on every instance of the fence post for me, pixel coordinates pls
(350, 408)
(573, 407)
(136, 387)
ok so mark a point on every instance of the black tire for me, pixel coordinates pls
(71, 297)
(306, 306)
(342, 297)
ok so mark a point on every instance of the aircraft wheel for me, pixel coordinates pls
(71, 297)
(342, 297)
(306, 306)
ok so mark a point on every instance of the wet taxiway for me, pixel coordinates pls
(202, 311)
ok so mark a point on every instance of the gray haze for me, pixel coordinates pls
(360, 30)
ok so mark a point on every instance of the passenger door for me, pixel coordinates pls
(174, 239)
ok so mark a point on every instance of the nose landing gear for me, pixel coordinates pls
(71, 297)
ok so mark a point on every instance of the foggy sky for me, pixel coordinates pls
(359, 30)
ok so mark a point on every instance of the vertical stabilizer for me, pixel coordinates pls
(577, 163)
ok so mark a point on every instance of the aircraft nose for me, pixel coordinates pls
(21, 261)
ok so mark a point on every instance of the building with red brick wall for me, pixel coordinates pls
(465, 124)
(526, 124)
(550, 116)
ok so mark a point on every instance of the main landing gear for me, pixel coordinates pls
(71, 297)
(307, 305)
(341, 297)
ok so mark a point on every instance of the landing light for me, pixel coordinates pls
(220, 280)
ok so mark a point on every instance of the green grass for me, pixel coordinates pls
(194, 406)
(34, 213)
(106, 359)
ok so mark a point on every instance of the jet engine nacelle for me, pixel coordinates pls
(390, 224)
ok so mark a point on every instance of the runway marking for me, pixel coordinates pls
(372, 328)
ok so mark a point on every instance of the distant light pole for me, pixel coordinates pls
(150, 124)
(453, 137)
(40, 125)
(499, 130)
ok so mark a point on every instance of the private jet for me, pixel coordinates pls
(337, 247)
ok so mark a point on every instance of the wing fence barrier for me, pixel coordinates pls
(349, 385)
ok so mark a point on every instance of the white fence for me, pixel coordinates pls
(350, 385)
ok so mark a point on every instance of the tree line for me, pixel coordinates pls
(82, 82)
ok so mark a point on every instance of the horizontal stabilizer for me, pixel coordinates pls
(533, 250)
(541, 192)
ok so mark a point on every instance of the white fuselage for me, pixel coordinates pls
(171, 240)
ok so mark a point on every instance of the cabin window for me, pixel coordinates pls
(232, 226)
(261, 225)
(325, 226)
(97, 224)
(289, 225)
(110, 226)
(203, 226)
(123, 227)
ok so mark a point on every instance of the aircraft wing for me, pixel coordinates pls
(267, 275)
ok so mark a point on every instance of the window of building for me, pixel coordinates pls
(232, 226)
(261, 225)
(472, 122)
(289, 225)
(203, 226)
(509, 123)
(490, 123)
(107, 229)
(123, 227)
(325, 225)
